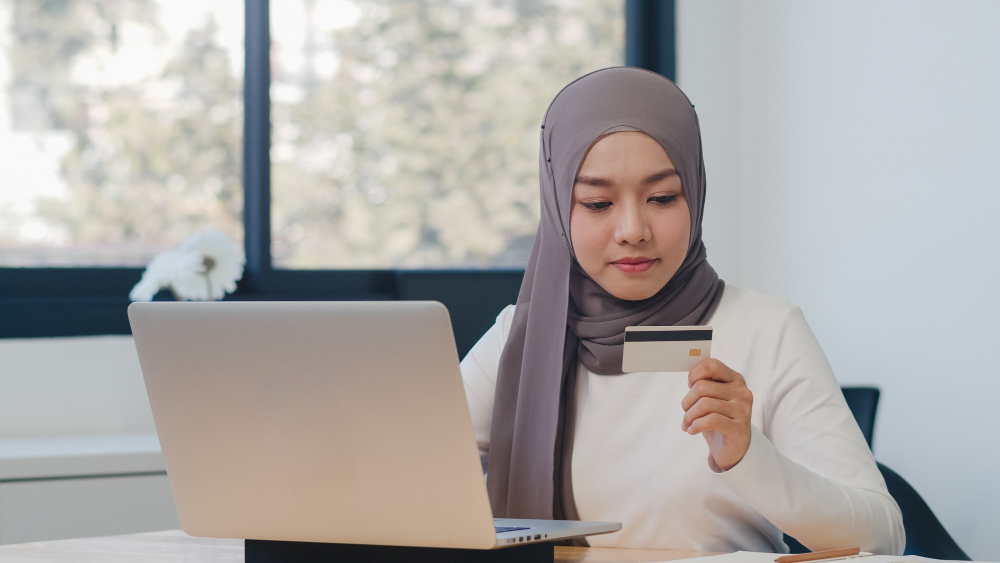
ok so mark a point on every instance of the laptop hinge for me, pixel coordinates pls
(269, 551)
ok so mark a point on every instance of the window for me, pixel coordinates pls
(121, 128)
(131, 124)
(405, 133)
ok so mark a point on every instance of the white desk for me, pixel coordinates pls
(178, 547)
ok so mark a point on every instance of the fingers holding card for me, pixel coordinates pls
(718, 405)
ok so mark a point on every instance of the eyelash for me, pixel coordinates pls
(600, 206)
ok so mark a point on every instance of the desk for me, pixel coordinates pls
(178, 547)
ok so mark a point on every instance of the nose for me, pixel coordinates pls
(632, 226)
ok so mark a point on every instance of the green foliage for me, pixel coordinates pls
(152, 160)
(422, 148)
(409, 138)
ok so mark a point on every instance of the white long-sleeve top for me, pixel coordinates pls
(808, 471)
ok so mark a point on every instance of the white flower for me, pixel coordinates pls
(163, 269)
(222, 267)
(205, 267)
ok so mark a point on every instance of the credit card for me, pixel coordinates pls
(665, 348)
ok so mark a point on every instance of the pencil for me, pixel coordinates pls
(816, 555)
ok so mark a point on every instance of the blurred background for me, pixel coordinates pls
(852, 170)
(849, 146)
(403, 133)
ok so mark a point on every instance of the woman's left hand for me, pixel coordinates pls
(718, 406)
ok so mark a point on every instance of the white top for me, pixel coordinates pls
(808, 471)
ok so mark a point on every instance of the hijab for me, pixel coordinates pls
(562, 315)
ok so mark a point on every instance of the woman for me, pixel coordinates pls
(569, 436)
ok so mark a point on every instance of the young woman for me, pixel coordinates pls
(753, 442)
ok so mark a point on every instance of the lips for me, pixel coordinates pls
(634, 265)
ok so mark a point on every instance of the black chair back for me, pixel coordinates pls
(863, 402)
(925, 536)
(474, 298)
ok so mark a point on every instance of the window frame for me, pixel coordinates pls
(83, 301)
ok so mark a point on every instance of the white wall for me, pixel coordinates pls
(73, 409)
(851, 150)
(72, 386)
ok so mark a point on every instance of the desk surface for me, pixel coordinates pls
(177, 547)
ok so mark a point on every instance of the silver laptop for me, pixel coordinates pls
(337, 422)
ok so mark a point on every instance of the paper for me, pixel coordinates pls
(756, 557)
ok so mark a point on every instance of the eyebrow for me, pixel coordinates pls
(605, 183)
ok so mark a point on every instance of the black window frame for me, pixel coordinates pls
(83, 301)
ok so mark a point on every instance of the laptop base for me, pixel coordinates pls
(269, 551)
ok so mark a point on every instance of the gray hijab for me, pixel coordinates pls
(563, 316)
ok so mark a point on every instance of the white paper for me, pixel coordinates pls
(756, 557)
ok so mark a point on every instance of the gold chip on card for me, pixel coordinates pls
(694, 352)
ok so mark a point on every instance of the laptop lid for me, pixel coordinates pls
(341, 422)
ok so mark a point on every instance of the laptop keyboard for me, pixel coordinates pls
(502, 529)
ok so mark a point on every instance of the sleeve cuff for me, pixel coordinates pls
(753, 461)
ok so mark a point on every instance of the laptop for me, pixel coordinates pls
(335, 422)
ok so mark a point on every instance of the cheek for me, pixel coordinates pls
(588, 238)
(676, 234)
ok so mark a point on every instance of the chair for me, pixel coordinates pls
(863, 402)
(925, 536)
(473, 298)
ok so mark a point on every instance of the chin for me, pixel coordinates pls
(635, 296)
(632, 289)
(637, 292)
(629, 287)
